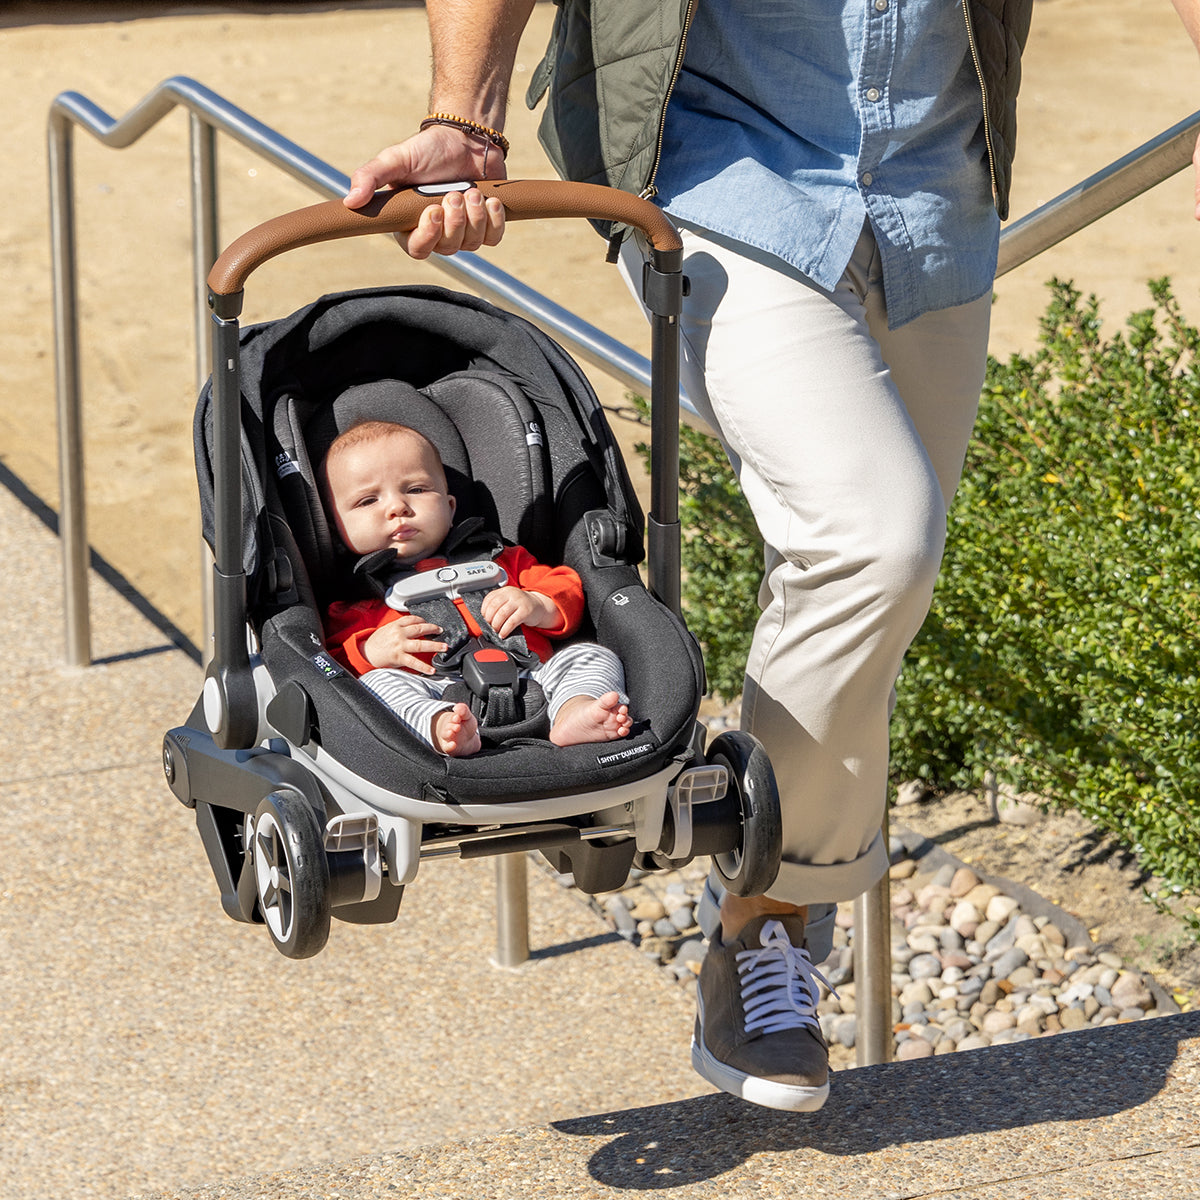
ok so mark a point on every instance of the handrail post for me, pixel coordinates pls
(72, 520)
(873, 970)
(512, 910)
(205, 247)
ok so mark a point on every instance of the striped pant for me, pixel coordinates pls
(579, 669)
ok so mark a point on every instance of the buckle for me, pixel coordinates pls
(484, 667)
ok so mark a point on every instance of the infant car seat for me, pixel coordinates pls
(526, 448)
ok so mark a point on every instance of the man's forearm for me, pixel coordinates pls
(474, 49)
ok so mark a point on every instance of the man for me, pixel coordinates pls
(839, 173)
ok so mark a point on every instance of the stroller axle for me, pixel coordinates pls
(515, 838)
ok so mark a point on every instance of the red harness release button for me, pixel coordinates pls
(490, 656)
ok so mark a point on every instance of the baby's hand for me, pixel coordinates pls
(397, 644)
(508, 608)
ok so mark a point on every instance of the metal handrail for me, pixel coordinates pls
(1140, 170)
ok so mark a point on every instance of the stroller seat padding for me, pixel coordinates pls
(420, 335)
(664, 677)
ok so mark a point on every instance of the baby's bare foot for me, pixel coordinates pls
(586, 719)
(456, 732)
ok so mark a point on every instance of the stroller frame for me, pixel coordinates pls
(292, 834)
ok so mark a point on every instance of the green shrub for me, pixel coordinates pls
(1060, 647)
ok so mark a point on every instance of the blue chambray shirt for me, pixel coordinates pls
(794, 120)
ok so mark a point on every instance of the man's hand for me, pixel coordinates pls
(474, 45)
(438, 154)
(508, 608)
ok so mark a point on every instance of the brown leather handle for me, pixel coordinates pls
(399, 211)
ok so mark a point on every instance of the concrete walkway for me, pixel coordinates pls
(1107, 1114)
(155, 1047)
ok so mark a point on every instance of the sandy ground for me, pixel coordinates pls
(1101, 77)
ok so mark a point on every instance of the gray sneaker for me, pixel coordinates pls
(757, 1034)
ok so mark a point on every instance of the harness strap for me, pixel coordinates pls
(463, 623)
(452, 598)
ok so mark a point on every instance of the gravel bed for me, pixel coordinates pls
(974, 963)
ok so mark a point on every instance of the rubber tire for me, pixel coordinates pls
(291, 874)
(750, 868)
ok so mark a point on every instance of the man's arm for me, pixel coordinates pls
(1189, 14)
(474, 48)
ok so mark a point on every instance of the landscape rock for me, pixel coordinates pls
(970, 968)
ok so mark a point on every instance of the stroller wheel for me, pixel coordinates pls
(750, 867)
(291, 874)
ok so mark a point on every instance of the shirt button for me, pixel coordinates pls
(873, 94)
(867, 179)
(881, 5)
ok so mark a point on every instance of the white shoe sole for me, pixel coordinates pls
(787, 1097)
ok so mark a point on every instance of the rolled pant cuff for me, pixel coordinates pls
(849, 880)
(808, 883)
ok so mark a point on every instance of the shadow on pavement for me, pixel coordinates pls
(1074, 1077)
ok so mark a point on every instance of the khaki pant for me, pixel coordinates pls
(848, 439)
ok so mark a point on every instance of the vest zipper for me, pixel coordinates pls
(650, 191)
(987, 125)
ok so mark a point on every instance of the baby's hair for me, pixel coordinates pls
(363, 434)
(371, 431)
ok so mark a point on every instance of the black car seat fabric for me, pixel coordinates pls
(526, 447)
(420, 335)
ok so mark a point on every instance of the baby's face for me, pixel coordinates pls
(390, 493)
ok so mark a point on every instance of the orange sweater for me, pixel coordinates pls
(348, 625)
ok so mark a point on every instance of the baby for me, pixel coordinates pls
(384, 487)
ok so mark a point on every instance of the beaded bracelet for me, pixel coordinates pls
(468, 126)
